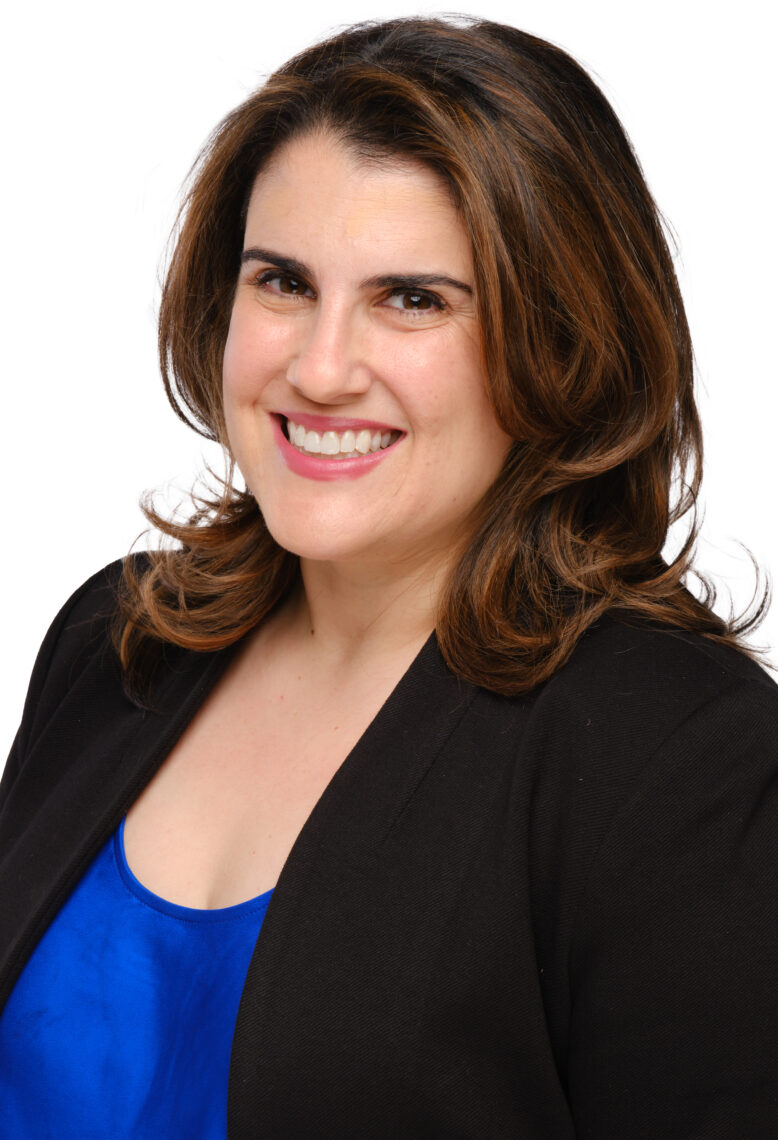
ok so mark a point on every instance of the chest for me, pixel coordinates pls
(217, 822)
(397, 947)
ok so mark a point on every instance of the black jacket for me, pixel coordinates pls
(546, 917)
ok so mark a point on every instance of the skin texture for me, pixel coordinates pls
(336, 343)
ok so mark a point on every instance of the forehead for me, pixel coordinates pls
(316, 190)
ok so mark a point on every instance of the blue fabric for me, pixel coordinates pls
(122, 1021)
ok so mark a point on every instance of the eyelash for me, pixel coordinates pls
(268, 275)
(436, 303)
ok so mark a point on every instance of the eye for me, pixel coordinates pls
(415, 301)
(283, 284)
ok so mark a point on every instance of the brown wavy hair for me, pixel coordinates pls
(584, 337)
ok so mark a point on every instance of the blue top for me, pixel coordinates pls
(121, 1023)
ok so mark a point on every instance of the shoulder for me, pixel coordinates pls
(646, 732)
(641, 708)
(89, 609)
(80, 634)
(675, 719)
(84, 624)
(634, 684)
(640, 656)
(648, 702)
(626, 692)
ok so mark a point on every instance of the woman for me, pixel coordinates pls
(424, 702)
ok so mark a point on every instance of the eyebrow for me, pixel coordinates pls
(296, 268)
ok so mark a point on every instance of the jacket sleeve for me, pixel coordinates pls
(674, 962)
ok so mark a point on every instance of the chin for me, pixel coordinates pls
(313, 543)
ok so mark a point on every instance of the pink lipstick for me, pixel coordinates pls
(343, 448)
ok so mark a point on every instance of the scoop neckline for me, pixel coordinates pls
(175, 910)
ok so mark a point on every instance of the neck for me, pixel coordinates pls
(346, 612)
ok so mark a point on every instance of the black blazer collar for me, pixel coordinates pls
(97, 753)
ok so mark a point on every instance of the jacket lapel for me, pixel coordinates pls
(337, 850)
(97, 753)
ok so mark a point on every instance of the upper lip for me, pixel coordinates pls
(335, 423)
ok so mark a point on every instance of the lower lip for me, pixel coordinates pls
(326, 469)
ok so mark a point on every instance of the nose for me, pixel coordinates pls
(328, 365)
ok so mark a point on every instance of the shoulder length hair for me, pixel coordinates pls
(584, 338)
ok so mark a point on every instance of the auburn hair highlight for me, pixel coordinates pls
(585, 345)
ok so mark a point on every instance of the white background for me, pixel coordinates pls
(103, 110)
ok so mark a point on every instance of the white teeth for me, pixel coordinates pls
(348, 445)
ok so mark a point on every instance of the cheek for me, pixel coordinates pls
(434, 379)
(446, 395)
(255, 352)
(239, 373)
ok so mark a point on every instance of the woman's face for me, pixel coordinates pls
(354, 332)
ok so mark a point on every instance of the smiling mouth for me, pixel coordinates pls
(337, 444)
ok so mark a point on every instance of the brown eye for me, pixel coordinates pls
(291, 285)
(415, 301)
(282, 284)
